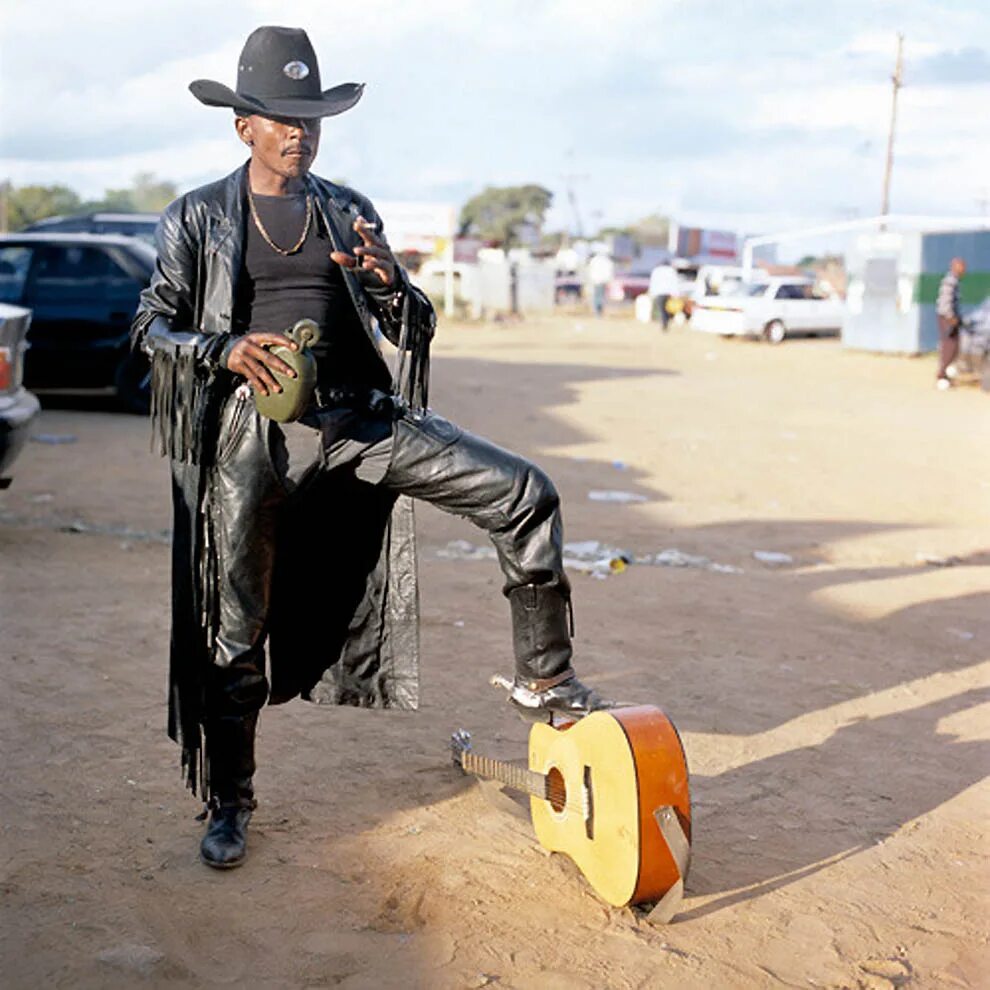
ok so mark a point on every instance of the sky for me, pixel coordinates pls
(745, 115)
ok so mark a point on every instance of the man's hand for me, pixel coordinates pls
(251, 358)
(372, 256)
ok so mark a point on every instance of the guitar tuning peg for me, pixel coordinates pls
(460, 746)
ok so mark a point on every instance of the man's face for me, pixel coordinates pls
(958, 267)
(284, 145)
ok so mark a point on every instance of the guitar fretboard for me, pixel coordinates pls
(518, 778)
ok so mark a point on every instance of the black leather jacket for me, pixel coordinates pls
(184, 319)
(184, 322)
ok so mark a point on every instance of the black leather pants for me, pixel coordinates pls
(426, 457)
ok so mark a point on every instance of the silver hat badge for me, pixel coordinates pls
(296, 70)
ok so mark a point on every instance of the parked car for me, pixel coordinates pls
(132, 224)
(18, 407)
(974, 345)
(775, 309)
(83, 290)
(721, 280)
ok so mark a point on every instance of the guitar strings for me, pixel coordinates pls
(554, 794)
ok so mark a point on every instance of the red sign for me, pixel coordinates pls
(6, 370)
(698, 242)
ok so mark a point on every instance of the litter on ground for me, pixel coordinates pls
(606, 495)
(596, 559)
(54, 438)
(933, 560)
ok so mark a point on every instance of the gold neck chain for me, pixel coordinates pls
(264, 233)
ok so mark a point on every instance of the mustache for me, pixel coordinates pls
(297, 149)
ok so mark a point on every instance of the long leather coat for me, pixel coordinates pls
(343, 625)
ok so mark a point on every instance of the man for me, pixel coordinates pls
(299, 534)
(601, 271)
(949, 322)
(663, 284)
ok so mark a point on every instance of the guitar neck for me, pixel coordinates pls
(518, 778)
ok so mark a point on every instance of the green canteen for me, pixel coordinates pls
(291, 402)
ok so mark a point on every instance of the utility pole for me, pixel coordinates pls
(898, 81)
(569, 179)
(572, 199)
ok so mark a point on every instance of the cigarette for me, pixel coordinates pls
(360, 219)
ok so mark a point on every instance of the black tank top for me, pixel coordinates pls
(275, 290)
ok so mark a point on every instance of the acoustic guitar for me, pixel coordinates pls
(610, 791)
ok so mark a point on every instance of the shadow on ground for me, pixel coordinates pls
(89, 774)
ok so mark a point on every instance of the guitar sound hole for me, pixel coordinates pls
(556, 790)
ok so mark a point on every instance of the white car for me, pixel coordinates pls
(721, 280)
(774, 309)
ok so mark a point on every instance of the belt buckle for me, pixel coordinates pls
(327, 398)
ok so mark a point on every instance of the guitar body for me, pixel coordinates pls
(607, 774)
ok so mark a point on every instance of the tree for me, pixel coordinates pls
(27, 204)
(499, 214)
(112, 200)
(651, 231)
(30, 203)
(152, 195)
(146, 195)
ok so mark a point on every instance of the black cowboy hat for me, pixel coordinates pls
(278, 76)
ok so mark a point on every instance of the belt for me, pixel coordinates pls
(372, 400)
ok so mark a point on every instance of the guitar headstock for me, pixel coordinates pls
(460, 743)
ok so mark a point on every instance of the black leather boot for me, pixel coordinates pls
(230, 746)
(545, 683)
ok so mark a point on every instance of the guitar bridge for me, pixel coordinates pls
(588, 804)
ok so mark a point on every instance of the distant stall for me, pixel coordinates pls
(893, 283)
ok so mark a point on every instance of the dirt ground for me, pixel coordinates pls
(834, 707)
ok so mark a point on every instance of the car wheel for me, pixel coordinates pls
(133, 383)
(775, 332)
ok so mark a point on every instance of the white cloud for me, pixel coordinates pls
(884, 43)
(857, 105)
(187, 165)
(775, 110)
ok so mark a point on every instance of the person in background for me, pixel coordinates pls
(601, 271)
(663, 285)
(949, 322)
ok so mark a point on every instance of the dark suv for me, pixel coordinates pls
(135, 224)
(83, 290)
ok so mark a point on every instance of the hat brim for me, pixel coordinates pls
(330, 103)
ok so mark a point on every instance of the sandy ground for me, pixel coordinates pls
(834, 709)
